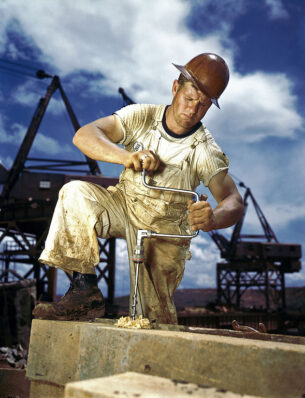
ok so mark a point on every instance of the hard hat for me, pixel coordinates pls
(209, 73)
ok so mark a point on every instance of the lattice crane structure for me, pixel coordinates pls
(254, 261)
(27, 202)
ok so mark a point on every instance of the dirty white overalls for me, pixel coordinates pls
(85, 211)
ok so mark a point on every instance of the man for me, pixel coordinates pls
(179, 152)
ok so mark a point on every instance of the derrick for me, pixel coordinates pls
(27, 202)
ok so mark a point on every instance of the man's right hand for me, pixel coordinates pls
(142, 160)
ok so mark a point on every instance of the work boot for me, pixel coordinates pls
(82, 302)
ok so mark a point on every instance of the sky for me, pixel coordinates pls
(97, 46)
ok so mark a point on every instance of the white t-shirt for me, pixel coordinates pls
(143, 123)
(186, 161)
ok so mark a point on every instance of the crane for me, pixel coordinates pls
(27, 202)
(254, 261)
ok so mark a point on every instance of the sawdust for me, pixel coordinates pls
(138, 323)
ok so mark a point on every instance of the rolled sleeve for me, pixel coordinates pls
(211, 161)
(132, 119)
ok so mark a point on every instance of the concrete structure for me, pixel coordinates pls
(135, 385)
(62, 352)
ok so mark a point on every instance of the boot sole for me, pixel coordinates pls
(84, 315)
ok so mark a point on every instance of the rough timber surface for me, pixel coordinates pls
(62, 352)
(220, 332)
(130, 384)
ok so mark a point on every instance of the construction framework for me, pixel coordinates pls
(27, 202)
(256, 261)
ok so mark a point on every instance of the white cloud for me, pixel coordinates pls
(217, 16)
(26, 94)
(278, 215)
(2, 131)
(135, 50)
(42, 143)
(14, 135)
(296, 278)
(48, 145)
(257, 106)
(277, 9)
(7, 161)
(122, 286)
(29, 94)
(200, 271)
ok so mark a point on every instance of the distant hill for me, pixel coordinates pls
(252, 299)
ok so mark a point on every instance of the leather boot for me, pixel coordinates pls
(82, 302)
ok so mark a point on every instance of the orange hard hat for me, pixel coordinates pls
(209, 72)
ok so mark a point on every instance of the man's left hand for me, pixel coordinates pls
(201, 215)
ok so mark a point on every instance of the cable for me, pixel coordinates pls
(26, 70)
(18, 64)
(14, 71)
(241, 183)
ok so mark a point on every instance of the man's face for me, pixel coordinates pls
(189, 105)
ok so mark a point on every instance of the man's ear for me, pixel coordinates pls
(175, 87)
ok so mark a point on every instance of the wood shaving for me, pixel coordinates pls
(138, 323)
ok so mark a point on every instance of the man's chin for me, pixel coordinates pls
(187, 124)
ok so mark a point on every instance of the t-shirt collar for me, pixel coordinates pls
(172, 134)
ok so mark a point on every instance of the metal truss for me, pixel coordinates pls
(232, 283)
(25, 214)
(19, 253)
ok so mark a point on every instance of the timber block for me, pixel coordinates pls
(62, 352)
(135, 385)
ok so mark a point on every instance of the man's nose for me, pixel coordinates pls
(192, 109)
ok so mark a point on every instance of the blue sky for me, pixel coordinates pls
(98, 46)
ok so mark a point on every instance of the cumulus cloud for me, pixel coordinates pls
(1, 126)
(6, 161)
(258, 105)
(135, 50)
(49, 145)
(297, 278)
(276, 9)
(14, 135)
(124, 50)
(122, 286)
(200, 271)
(42, 143)
(277, 214)
(26, 94)
(29, 93)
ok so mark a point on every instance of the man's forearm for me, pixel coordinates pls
(228, 212)
(98, 140)
(95, 144)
